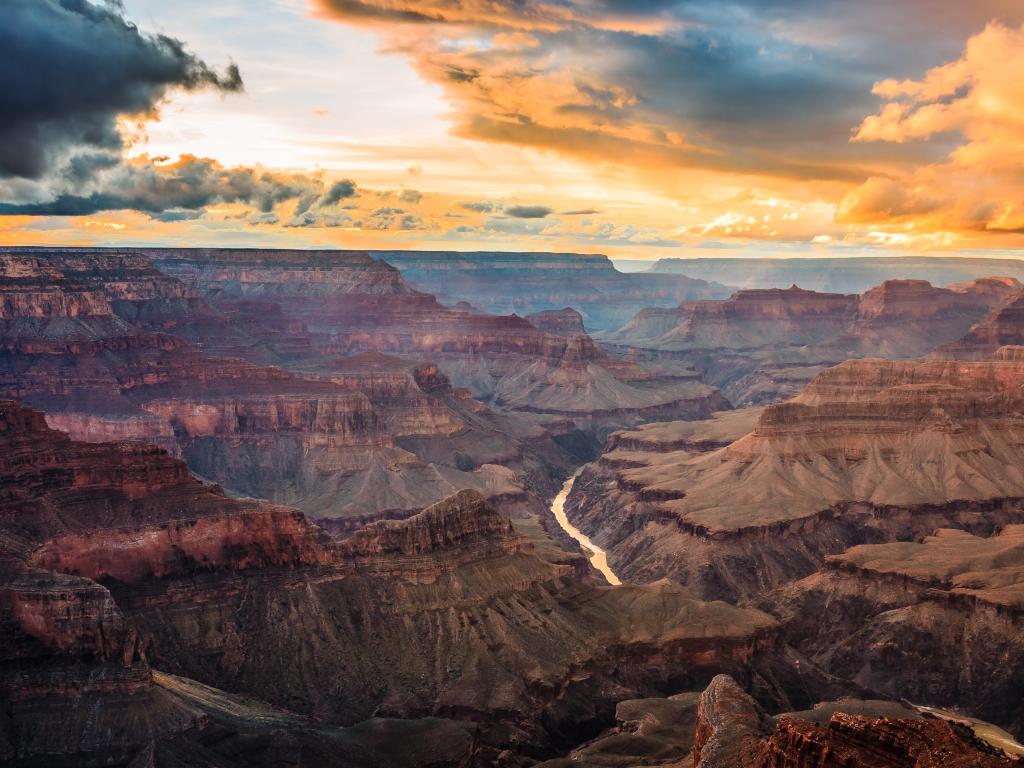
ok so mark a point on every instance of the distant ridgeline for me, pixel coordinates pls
(852, 275)
(524, 283)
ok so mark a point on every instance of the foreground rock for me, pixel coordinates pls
(75, 671)
(723, 727)
(733, 732)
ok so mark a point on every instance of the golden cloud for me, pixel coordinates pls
(978, 98)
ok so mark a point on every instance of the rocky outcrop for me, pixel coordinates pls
(936, 621)
(561, 322)
(723, 727)
(732, 732)
(855, 741)
(646, 732)
(730, 727)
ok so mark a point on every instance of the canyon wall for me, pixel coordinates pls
(766, 344)
(117, 561)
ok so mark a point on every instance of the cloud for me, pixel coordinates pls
(410, 196)
(70, 68)
(482, 206)
(886, 200)
(581, 212)
(168, 190)
(975, 98)
(528, 211)
(340, 190)
(747, 87)
(311, 219)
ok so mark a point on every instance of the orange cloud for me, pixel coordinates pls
(977, 189)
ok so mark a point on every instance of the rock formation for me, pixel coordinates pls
(561, 322)
(117, 561)
(1004, 326)
(825, 515)
(872, 451)
(765, 344)
(723, 727)
(509, 362)
(933, 621)
(111, 348)
(842, 275)
(526, 283)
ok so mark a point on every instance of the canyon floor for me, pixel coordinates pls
(284, 508)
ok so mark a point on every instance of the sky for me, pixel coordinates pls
(637, 129)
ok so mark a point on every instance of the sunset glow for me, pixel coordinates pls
(638, 130)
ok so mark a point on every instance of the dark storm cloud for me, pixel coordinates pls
(69, 68)
(528, 211)
(175, 191)
(340, 190)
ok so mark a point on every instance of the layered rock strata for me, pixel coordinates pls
(525, 283)
(766, 344)
(116, 559)
(935, 621)
(872, 451)
(111, 348)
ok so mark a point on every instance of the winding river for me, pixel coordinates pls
(598, 557)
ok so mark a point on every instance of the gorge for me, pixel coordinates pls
(259, 504)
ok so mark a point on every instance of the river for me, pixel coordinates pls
(598, 557)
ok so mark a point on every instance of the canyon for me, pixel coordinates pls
(316, 379)
(876, 515)
(527, 283)
(264, 507)
(118, 563)
(763, 345)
